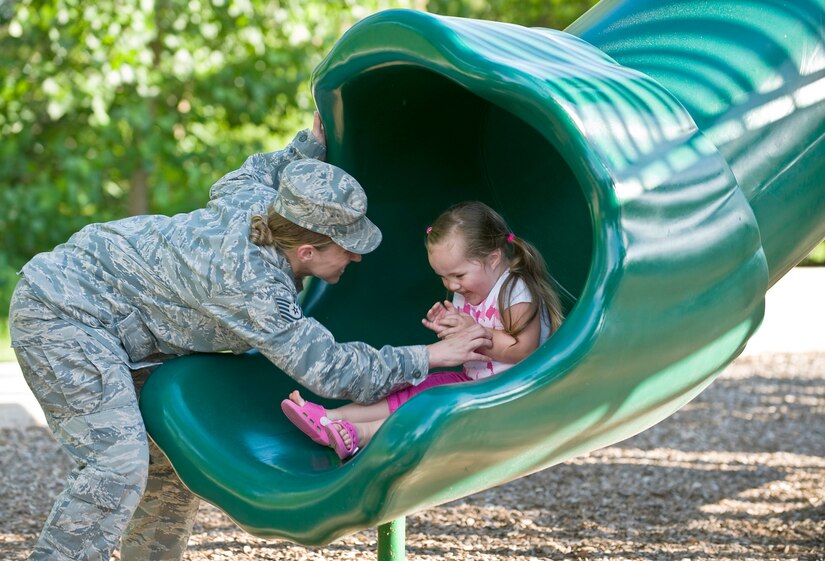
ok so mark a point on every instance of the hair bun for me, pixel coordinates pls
(259, 232)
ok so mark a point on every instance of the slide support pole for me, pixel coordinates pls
(392, 540)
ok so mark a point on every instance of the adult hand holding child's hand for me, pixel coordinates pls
(463, 346)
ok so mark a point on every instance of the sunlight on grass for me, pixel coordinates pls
(6, 353)
(817, 256)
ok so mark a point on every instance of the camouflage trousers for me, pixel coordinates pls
(122, 485)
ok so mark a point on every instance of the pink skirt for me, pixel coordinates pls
(394, 400)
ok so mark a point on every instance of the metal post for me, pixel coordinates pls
(391, 540)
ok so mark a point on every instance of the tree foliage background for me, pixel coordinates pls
(112, 108)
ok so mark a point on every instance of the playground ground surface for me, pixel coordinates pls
(738, 474)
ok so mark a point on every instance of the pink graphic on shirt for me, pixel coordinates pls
(475, 314)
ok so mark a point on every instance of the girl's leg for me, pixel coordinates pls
(396, 399)
(352, 411)
(364, 414)
(367, 419)
(367, 427)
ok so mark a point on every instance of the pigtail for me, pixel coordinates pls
(527, 264)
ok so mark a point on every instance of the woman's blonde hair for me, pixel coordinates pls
(483, 231)
(275, 230)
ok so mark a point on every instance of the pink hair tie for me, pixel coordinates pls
(429, 229)
(510, 237)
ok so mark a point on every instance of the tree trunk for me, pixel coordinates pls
(139, 182)
(139, 191)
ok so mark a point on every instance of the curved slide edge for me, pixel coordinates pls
(676, 287)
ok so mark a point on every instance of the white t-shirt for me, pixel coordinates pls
(487, 314)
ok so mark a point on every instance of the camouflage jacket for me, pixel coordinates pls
(195, 283)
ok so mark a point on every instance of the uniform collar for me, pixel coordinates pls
(276, 258)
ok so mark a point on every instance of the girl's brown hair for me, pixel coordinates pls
(483, 231)
(277, 231)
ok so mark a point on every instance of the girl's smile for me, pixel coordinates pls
(473, 279)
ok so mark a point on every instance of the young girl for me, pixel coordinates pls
(498, 281)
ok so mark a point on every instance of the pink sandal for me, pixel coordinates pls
(337, 441)
(311, 419)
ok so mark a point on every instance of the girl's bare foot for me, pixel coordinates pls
(364, 430)
(345, 436)
(296, 398)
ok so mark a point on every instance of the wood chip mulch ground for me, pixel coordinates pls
(738, 474)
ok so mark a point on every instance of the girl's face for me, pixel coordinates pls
(471, 278)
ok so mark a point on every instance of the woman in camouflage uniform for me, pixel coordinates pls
(118, 297)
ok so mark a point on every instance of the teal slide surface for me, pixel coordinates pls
(665, 156)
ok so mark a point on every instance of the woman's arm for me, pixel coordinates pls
(265, 168)
(270, 320)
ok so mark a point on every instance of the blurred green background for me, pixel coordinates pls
(113, 108)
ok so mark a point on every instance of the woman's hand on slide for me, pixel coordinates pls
(461, 347)
(318, 129)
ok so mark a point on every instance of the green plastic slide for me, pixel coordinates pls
(667, 158)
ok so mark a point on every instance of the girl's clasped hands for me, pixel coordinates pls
(445, 320)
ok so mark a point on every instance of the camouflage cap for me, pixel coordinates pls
(327, 200)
